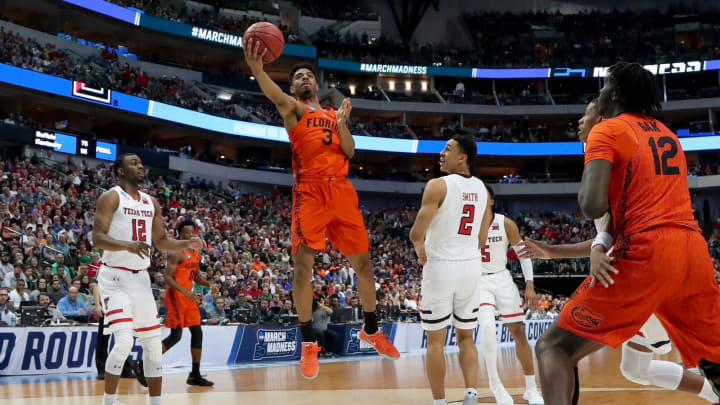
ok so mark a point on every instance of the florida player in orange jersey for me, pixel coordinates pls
(324, 202)
(636, 170)
(182, 304)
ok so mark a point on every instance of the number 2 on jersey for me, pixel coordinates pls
(139, 230)
(467, 219)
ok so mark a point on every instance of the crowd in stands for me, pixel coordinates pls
(107, 72)
(590, 38)
(47, 226)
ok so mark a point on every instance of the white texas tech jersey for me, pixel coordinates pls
(453, 233)
(131, 222)
(494, 253)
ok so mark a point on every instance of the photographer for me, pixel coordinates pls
(327, 339)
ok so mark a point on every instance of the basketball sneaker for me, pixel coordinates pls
(533, 397)
(711, 372)
(500, 393)
(199, 381)
(309, 366)
(380, 343)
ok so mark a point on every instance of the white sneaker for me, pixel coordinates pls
(533, 397)
(500, 393)
(470, 401)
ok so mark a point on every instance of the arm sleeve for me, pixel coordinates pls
(525, 265)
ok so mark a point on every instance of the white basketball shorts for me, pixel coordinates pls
(127, 301)
(449, 294)
(499, 291)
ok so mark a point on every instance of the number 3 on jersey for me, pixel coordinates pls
(139, 230)
(467, 219)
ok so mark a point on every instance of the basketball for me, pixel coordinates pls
(270, 37)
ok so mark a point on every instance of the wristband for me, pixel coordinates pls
(604, 239)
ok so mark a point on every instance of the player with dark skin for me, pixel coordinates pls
(627, 89)
(602, 267)
(304, 87)
(131, 174)
(174, 259)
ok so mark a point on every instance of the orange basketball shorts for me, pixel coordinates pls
(667, 271)
(181, 312)
(328, 208)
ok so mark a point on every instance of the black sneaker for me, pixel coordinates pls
(711, 372)
(199, 381)
(140, 373)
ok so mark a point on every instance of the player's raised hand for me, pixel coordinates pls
(141, 249)
(196, 243)
(533, 249)
(253, 56)
(343, 114)
(601, 267)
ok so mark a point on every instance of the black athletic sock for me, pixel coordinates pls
(370, 322)
(195, 370)
(307, 331)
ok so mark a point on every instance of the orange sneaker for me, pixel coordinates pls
(309, 366)
(380, 343)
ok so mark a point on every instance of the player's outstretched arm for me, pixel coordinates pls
(163, 242)
(432, 198)
(284, 103)
(106, 205)
(513, 234)
(347, 143)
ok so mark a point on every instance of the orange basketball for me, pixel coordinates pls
(270, 38)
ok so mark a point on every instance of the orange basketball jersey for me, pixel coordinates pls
(186, 270)
(315, 144)
(648, 186)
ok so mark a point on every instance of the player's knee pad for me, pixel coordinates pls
(635, 365)
(173, 338)
(120, 351)
(196, 336)
(152, 356)
(486, 320)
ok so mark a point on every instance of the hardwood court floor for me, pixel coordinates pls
(363, 381)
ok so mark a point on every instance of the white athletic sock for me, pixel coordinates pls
(708, 394)
(156, 400)
(530, 382)
(109, 399)
(439, 402)
(488, 346)
(470, 392)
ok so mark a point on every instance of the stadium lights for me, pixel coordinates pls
(424, 85)
(408, 85)
(391, 85)
(352, 89)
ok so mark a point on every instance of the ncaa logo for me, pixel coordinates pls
(354, 334)
(261, 336)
